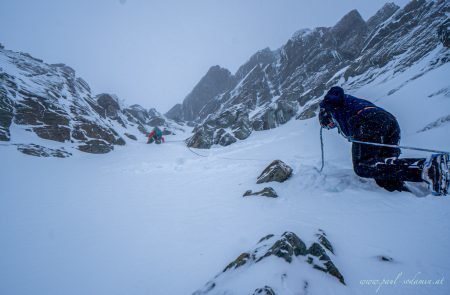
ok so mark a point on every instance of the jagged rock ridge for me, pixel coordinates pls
(275, 86)
(215, 81)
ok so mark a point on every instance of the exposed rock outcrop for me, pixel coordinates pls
(287, 247)
(40, 151)
(266, 192)
(444, 121)
(276, 171)
(266, 290)
(382, 15)
(215, 81)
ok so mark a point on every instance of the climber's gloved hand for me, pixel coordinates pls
(326, 119)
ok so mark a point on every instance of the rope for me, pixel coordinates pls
(196, 153)
(168, 141)
(377, 144)
(243, 159)
(227, 158)
(399, 146)
(321, 148)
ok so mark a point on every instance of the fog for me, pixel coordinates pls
(154, 52)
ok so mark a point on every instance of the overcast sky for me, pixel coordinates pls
(154, 52)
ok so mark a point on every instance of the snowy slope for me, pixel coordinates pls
(159, 219)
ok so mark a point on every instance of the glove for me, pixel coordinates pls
(326, 119)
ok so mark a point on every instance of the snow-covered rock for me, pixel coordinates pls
(51, 102)
(276, 171)
(273, 87)
(41, 151)
(286, 248)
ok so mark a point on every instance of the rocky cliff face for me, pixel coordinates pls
(213, 83)
(50, 101)
(275, 86)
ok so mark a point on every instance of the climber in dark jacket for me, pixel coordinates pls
(361, 120)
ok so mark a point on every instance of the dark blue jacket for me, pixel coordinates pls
(347, 111)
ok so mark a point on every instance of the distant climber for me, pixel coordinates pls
(155, 136)
(361, 120)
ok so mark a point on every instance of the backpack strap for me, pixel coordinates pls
(365, 109)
